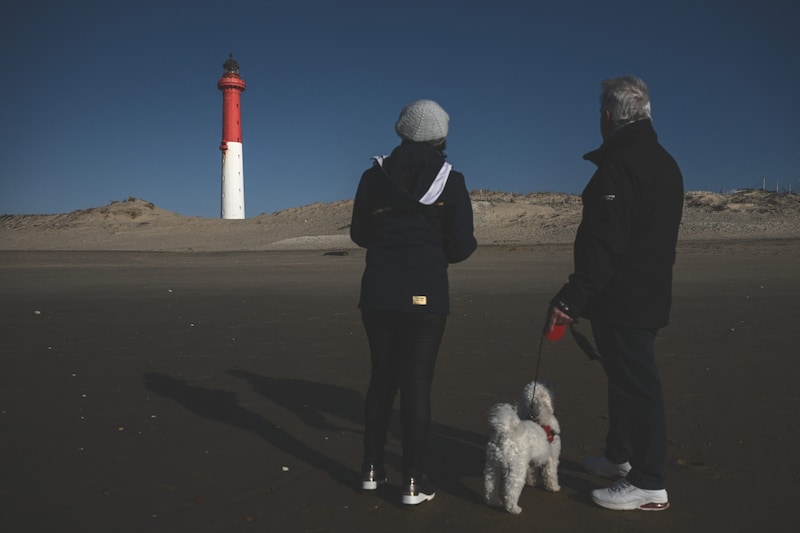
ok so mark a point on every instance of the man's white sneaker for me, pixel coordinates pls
(600, 466)
(622, 496)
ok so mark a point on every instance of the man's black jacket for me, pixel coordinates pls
(625, 246)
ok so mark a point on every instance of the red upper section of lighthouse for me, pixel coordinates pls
(231, 84)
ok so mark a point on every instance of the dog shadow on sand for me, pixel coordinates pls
(455, 455)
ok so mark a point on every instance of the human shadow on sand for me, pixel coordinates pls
(223, 406)
(313, 403)
(454, 454)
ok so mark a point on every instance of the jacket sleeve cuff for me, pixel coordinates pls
(568, 301)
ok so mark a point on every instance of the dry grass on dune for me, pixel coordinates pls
(500, 218)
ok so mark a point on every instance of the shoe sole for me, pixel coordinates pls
(649, 506)
(654, 506)
(415, 499)
(372, 485)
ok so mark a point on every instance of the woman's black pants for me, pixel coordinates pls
(403, 348)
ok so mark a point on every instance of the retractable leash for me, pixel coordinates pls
(555, 334)
(585, 344)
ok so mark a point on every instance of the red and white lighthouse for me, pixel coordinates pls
(231, 84)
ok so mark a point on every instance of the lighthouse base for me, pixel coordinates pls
(232, 181)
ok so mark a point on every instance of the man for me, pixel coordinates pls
(624, 252)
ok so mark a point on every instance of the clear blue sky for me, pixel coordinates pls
(106, 100)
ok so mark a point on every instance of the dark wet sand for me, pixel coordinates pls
(222, 392)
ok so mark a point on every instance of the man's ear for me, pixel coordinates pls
(605, 123)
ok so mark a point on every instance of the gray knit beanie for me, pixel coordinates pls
(423, 121)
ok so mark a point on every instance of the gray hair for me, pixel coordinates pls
(626, 99)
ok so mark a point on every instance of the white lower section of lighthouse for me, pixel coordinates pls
(232, 181)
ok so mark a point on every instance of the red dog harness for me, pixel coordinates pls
(547, 429)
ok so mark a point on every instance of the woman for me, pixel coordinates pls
(413, 214)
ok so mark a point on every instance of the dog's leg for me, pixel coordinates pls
(530, 476)
(490, 485)
(550, 474)
(512, 489)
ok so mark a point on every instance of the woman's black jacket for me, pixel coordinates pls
(410, 244)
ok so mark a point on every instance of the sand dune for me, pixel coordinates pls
(500, 219)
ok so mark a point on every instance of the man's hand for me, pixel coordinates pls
(556, 317)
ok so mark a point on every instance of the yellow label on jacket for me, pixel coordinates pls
(419, 300)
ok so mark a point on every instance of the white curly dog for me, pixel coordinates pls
(524, 437)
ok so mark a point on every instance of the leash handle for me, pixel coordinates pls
(556, 333)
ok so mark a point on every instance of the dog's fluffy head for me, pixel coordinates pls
(536, 402)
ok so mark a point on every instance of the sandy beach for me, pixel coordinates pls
(178, 374)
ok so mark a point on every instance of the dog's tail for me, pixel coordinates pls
(503, 417)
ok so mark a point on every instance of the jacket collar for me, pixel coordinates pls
(641, 130)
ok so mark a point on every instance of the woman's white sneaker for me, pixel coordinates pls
(372, 476)
(417, 490)
(622, 496)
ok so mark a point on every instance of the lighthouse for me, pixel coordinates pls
(231, 84)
